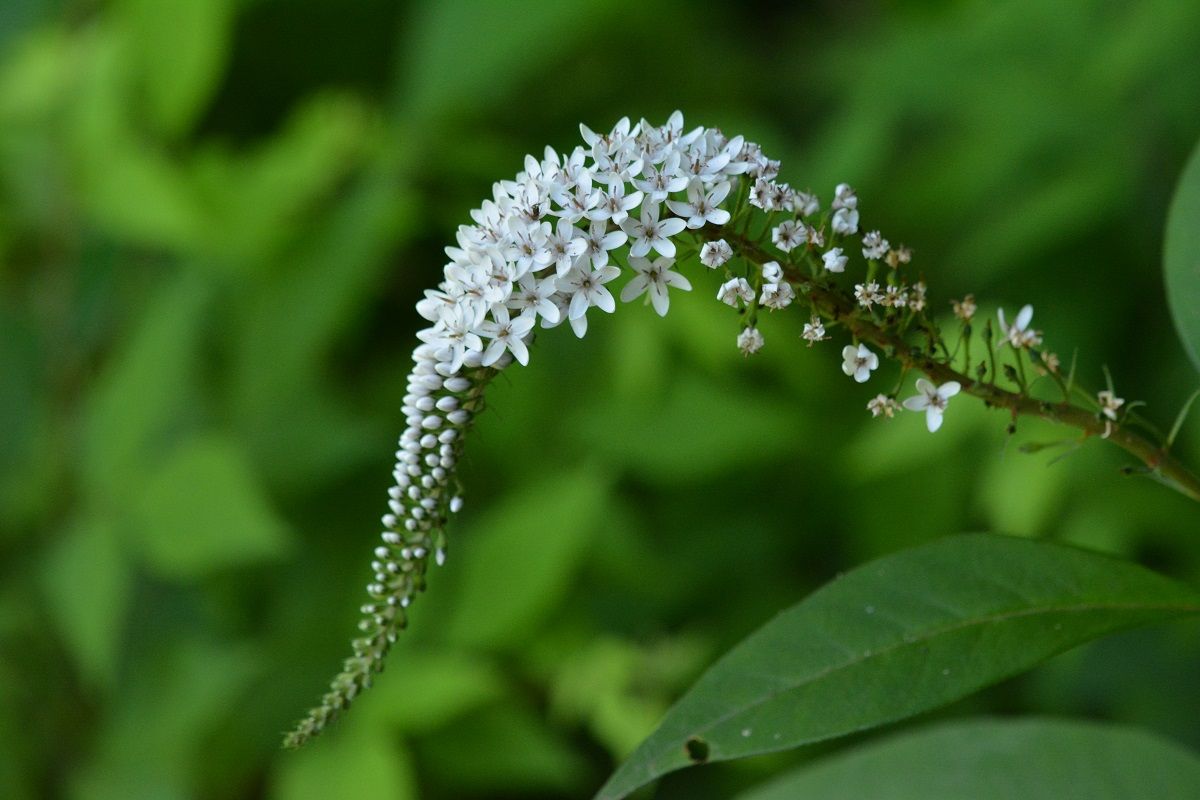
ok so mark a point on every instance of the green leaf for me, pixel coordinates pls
(86, 579)
(1000, 760)
(180, 48)
(904, 634)
(146, 393)
(520, 561)
(1181, 258)
(205, 510)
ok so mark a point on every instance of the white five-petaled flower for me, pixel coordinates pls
(735, 289)
(585, 286)
(749, 341)
(1019, 334)
(932, 400)
(875, 246)
(714, 254)
(845, 221)
(867, 294)
(777, 296)
(533, 298)
(506, 334)
(599, 240)
(857, 362)
(700, 208)
(882, 405)
(1109, 403)
(649, 232)
(565, 243)
(814, 331)
(789, 235)
(614, 204)
(833, 260)
(653, 278)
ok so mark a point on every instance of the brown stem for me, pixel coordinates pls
(836, 305)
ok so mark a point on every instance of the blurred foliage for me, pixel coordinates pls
(215, 216)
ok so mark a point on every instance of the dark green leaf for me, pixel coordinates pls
(896, 637)
(1181, 258)
(1000, 760)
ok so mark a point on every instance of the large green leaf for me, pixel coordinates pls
(1000, 760)
(1181, 254)
(901, 635)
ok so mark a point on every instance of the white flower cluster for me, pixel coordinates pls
(539, 253)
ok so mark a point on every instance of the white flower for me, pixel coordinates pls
(788, 235)
(867, 294)
(506, 335)
(649, 232)
(614, 204)
(874, 246)
(964, 309)
(565, 243)
(844, 197)
(1109, 403)
(533, 298)
(845, 221)
(805, 204)
(714, 254)
(599, 240)
(1020, 334)
(833, 260)
(653, 278)
(772, 272)
(916, 300)
(777, 296)
(894, 297)
(857, 362)
(659, 182)
(749, 341)
(733, 290)
(585, 287)
(932, 400)
(700, 208)
(814, 331)
(882, 405)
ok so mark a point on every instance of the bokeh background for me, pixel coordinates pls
(215, 218)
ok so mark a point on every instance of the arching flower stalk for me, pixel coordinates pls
(548, 247)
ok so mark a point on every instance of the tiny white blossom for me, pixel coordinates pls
(894, 297)
(700, 208)
(844, 197)
(932, 400)
(845, 221)
(506, 335)
(916, 299)
(1109, 403)
(776, 296)
(867, 294)
(833, 260)
(585, 287)
(649, 232)
(882, 405)
(533, 298)
(565, 242)
(714, 254)
(805, 204)
(614, 204)
(1019, 334)
(814, 331)
(653, 278)
(874, 246)
(857, 362)
(733, 290)
(789, 235)
(599, 240)
(772, 272)
(749, 341)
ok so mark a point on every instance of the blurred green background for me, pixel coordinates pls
(215, 218)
